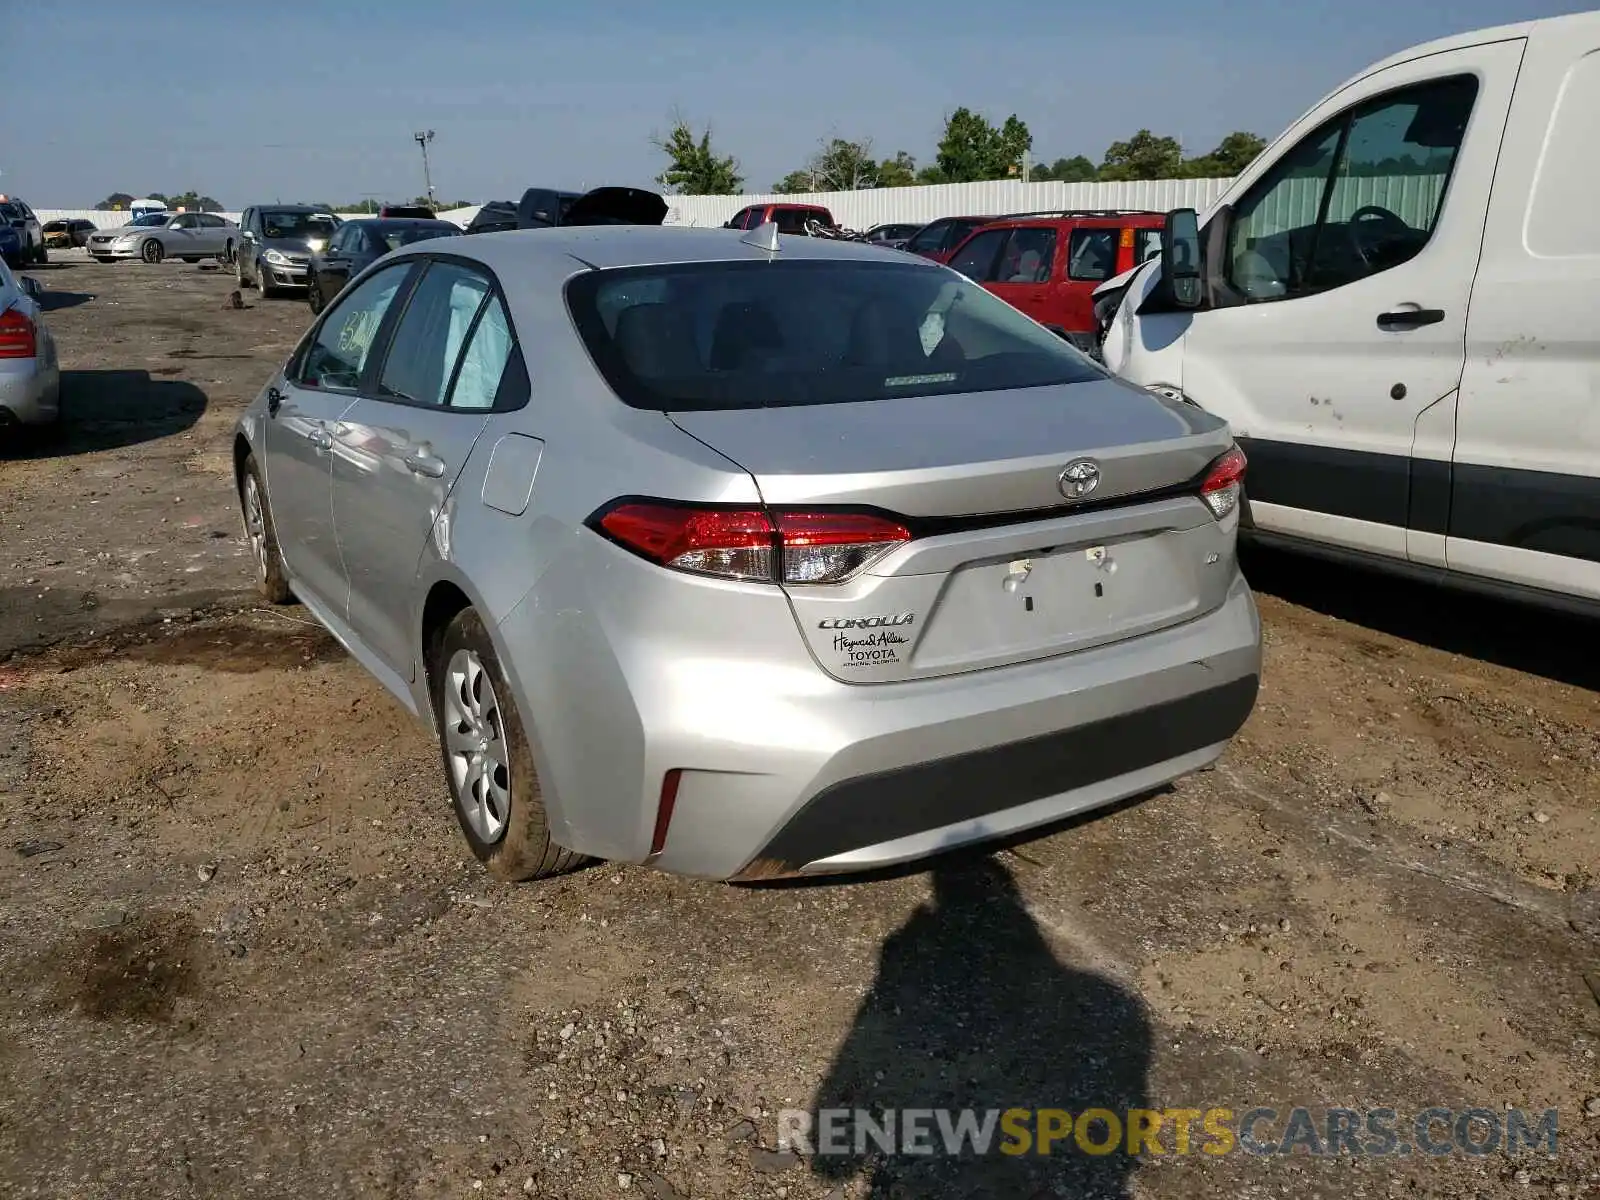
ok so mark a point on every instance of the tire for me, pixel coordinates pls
(314, 299)
(226, 257)
(272, 581)
(266, 289)
(152, 251)
(507, 831)
(43, 256)
(238, 273)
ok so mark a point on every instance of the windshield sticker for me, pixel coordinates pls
(915, 380)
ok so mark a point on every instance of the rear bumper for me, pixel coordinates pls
(784, 770)
(29, 394)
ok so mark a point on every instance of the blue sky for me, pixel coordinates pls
(285, 99)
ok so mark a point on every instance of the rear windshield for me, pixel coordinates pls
(728, 335)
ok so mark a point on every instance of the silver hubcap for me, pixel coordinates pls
(474, 739)
(255, 525)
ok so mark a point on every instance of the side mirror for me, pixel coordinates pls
(1180, 257)
(31, 288)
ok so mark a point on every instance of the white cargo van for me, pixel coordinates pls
(1397, 308)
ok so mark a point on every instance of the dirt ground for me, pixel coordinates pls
(244, 952)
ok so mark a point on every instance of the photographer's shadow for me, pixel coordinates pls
(971, 1009)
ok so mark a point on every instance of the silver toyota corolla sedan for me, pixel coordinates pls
(746, 561)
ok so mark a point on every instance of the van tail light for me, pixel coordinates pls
(1224, 483)
(18, 337)
(785, 546)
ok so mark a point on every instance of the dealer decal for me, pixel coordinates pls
(862, 642)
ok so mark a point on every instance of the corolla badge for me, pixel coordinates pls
(1079, 478)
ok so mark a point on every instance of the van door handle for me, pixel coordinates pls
(1410, 318)
(426, 464)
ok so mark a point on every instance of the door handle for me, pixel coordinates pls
(1410, 318)
(320, 438)
(425, 464)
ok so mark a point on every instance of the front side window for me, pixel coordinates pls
(1028, 255)
(976, 258)
(1360, 195)
(338, 351)
(429, 338)
(731, 335)
(1092, 254)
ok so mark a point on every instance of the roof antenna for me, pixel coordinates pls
(763, 237)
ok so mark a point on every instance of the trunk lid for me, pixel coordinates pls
(1001, 567)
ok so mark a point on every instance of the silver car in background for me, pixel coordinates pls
(30, 372)
(743, 555)
(158, 236)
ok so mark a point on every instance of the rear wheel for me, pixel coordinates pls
(314, 294)
(43, 255)
(488, 766)
(152, 251)
(272, 580)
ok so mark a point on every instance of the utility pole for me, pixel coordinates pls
(422, 137)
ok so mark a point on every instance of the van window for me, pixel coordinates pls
(1092, 254)
(1561, 220)
(1359, 195)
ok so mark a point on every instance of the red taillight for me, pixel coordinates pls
(1224, 483)
(18, 338)
(787, 547)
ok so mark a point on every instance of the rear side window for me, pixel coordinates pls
(793, 220)
(1028, 255)
(1092, 254)
(429, 338)
(730, 335)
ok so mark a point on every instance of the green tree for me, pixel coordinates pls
(972, 149)
(191, 201)
(794, 181)
(1077, 169)
(694, 169)
(1232, 155)
(115, 202)
(932, 174)
(899, 171)
(1143, 156)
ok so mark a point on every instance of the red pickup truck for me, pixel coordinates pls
(1048, 264)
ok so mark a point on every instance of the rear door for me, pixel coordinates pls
(401, 447)
(319, 387)
(1023, 275)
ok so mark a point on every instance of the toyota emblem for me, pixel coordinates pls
(1079, 479)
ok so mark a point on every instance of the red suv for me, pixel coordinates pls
(1048, 264)
(790, 218)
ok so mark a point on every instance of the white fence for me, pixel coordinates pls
(1411, 197)
(863, 209)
